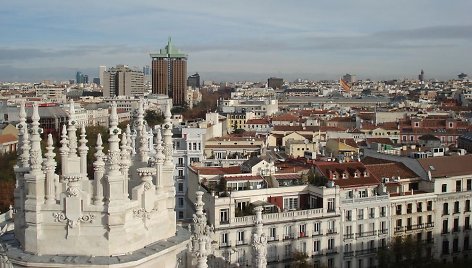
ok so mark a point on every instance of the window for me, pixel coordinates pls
(430, 206)
(466, 243)
(194, 159)
(180, 162)
(330, 204)
(419, 207)
(467, 205)
(180, 187)
(331, 244)
(291, 203)
(408, 224)
(419, 220)
(445, 209)
(383, 226)
(181, 215)
(224, 239)
(331, 228)
(331, 263)
(272, 232)
(455, 227)
(467, 223)
(302, 230)
(288, 250)
(430, 219)
(180, 202)
(409, 208)
(456, 207)
(445, 247)
(444, 188)
(383, 212)
(316, 246)
(469, 184)
(316, 228)
(348, 215)
(445, 227)
(399, 209)
(287, 231)
(360, 214)
(240, 237)
(399, 223)
(181, 173)
(224, 216)
(458, 186)
(372, 213)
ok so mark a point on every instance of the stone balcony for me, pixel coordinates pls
(293, 216)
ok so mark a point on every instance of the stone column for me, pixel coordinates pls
(201, 239)
(50, 168)
(99, 171)
(259, 242)
(83, 149)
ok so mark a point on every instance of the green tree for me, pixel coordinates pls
(153, 118)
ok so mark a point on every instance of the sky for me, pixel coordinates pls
(239, 40)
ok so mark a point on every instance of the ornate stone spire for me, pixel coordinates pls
(83, 149)
(72, 129)
(99, 171)
(259, 242)
(23, 141)
(115, 179)
(130, 139)
(142, 134)
(36, 158)
(50, 168)
(125, 162)
(64, 150)
(201, 239)
(167, 133)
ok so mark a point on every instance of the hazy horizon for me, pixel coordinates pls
(239, 40)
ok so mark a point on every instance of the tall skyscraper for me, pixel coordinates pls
(123, 81)
(101, 71)
(169, 73)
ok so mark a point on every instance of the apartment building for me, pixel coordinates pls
(188, 148)
(358, 209)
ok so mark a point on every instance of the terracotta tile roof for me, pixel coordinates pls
(369, 160)
(341, 119)
(447, 166)
(389, 170)
(380, 140)
(328, 168)
(6, 138)
(388, 125)
(368, 126)
(258, 121)
(217, 170)
(286, 176)
(285, 117)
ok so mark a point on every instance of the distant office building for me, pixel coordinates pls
(349, 78)
(194, 81)
(462, 76)
(169, 73)
(96, 80)
(123, 81)
(101, 71)
(147, 70)
(275, 83)
(81, 78)
(421, 76)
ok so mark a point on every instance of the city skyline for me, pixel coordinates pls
(239, 40)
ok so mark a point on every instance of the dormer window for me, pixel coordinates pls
(366, 174)
(417, 124)
(450, 124)
(344, 175)
(356, 175)
(335, 176)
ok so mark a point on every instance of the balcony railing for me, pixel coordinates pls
(366, 251)
(241, 242)
(364, 234)
(364, 199)
(349, 236)
(225, 244)
(273, 238)
(348, 254)
(295, 215)
(302, 235)
(289, 236)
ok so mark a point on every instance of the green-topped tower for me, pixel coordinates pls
(169, 73)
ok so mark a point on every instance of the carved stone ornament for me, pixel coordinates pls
(61, 217)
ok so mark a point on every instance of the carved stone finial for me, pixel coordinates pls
(36, 158)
